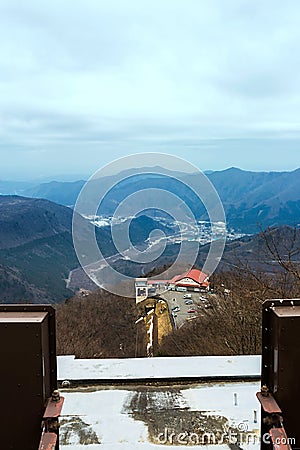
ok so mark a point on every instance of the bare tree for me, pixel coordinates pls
(284, 248)
(233, 325)
(100, 325)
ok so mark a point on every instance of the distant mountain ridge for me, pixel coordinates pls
(61, 192)
(251, 200)
(254, 200)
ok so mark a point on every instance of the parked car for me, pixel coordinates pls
(176, 308)
(191, 310)
(188, 302)
(187, 296)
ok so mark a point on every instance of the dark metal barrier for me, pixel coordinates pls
(28, 376)
(280, 392)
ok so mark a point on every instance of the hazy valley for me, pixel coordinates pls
(38, 261)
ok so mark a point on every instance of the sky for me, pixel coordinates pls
(85, 82)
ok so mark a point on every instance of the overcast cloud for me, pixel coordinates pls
(83, 82)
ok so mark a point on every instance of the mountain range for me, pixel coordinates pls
(36, 247)
(256, 200)
(251, 200)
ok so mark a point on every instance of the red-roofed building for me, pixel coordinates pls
(192, 279)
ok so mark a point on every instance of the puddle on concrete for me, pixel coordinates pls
(147, 400)
(170, 420)
(74, 431)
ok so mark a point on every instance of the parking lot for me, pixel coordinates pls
(186, 306)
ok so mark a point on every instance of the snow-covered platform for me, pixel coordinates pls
(204, 401)
(209, 415)
(171, 368)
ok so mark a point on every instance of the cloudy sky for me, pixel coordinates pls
(84, 82)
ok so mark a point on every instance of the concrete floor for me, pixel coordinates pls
(154, 416)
